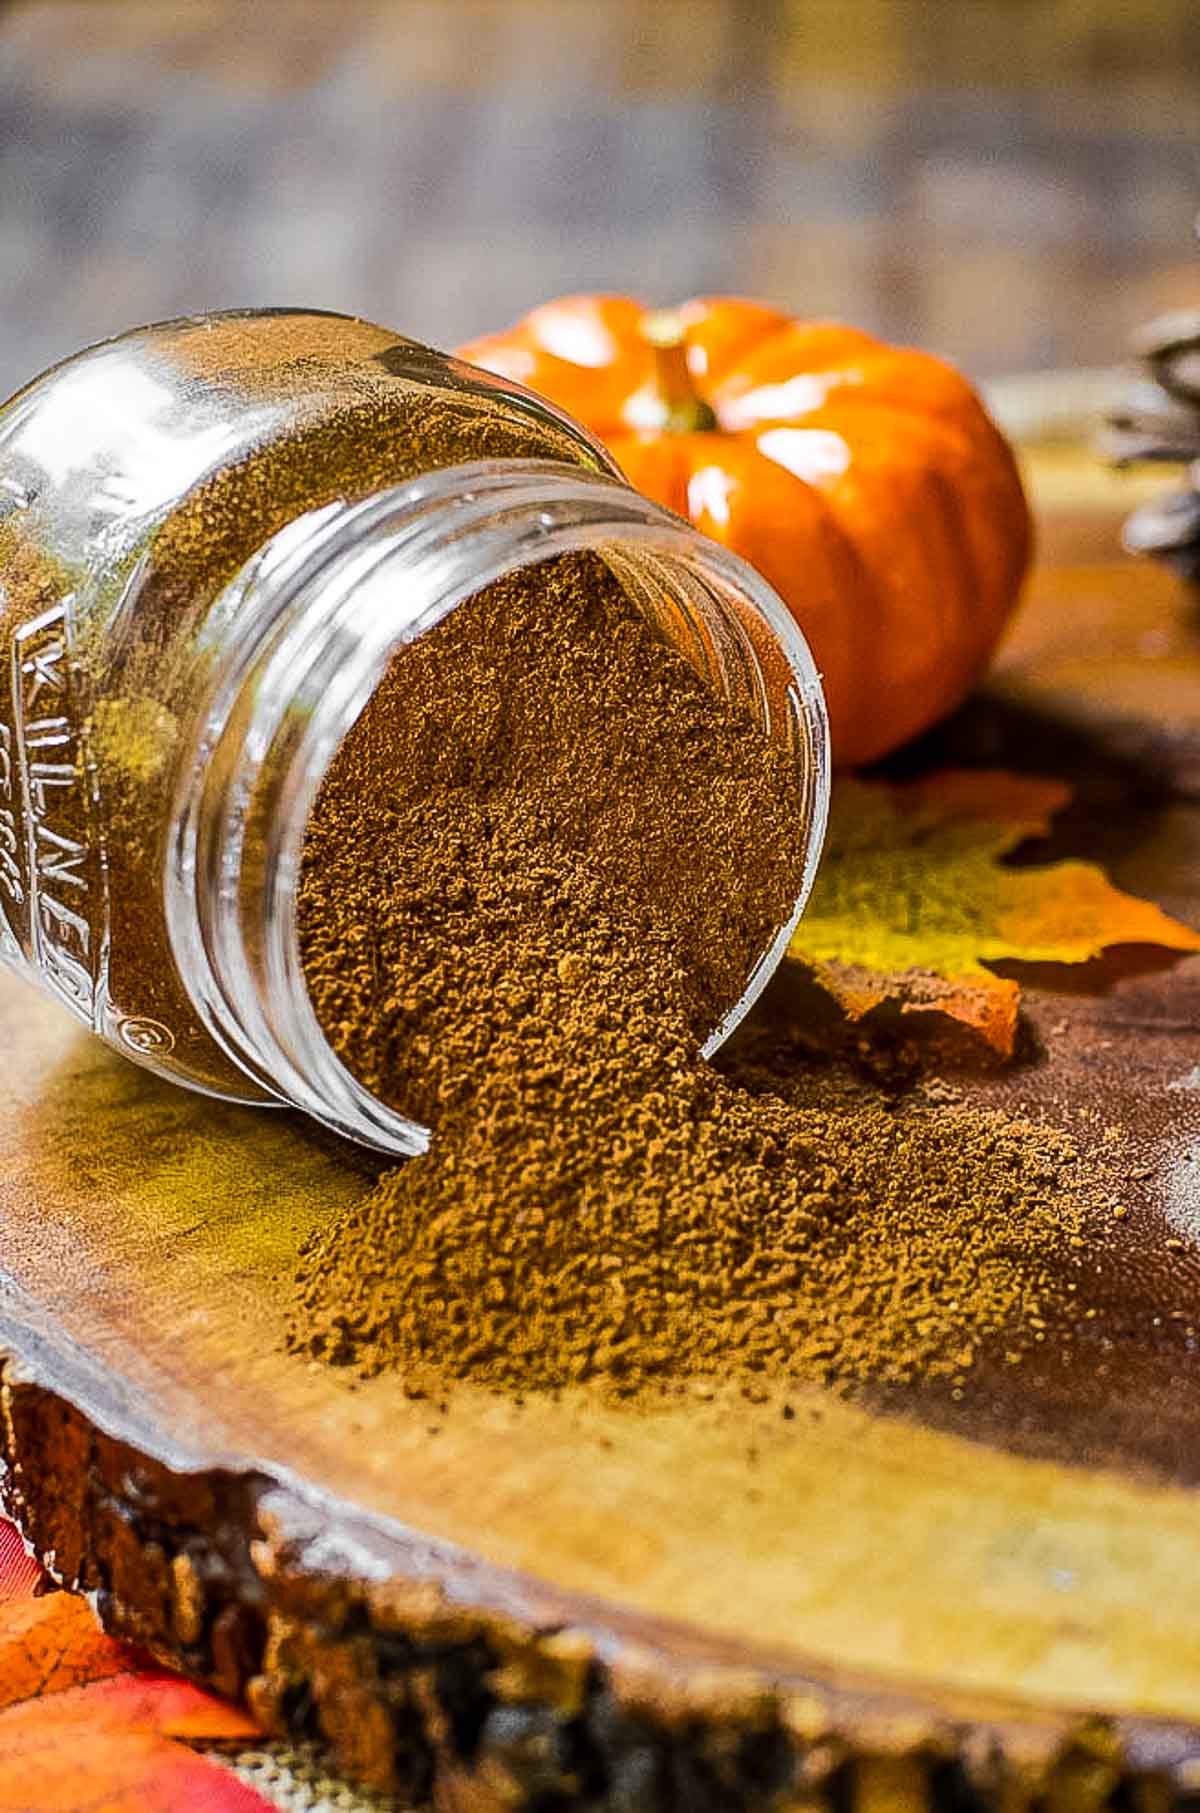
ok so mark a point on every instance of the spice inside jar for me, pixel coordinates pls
(540, 787)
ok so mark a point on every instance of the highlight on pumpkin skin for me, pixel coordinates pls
(726, 488)
(795, 396)
(810, 453)
(866, 482)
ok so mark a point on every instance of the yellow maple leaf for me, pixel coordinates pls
(912, 900)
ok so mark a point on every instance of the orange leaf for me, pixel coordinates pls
(85, 1728)
(50, 1644)
(913, 899)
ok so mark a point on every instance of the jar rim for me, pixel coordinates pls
(331, 610)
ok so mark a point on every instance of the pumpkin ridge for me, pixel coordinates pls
(980, 494)
(741, 348)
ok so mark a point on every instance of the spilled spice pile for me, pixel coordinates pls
(536, 877)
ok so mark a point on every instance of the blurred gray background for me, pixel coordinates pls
(1013, 182)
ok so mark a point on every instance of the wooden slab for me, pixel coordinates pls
(565, 1603)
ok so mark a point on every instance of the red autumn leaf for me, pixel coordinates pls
(49, 1644)
(151, 1701)
(87, 1727)
(19, 1572)
(48, 1766)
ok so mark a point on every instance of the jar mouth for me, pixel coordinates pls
(765, 665)
(336, 595)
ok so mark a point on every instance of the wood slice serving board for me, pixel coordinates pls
(916, 1600)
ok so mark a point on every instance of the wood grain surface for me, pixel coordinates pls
(711, 1603)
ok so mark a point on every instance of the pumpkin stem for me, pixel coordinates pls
(670, 402)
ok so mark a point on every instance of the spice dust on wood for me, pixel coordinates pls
(536, 878)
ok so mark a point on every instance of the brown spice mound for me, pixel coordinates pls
(539, 787)
(526, 897)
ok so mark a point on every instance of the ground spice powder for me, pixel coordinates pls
(534, 880)
(263, 417)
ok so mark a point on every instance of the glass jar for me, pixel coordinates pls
(214, 535)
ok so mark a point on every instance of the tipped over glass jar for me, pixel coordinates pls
(215, 535)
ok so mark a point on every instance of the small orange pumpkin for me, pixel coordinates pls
(865, 481)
